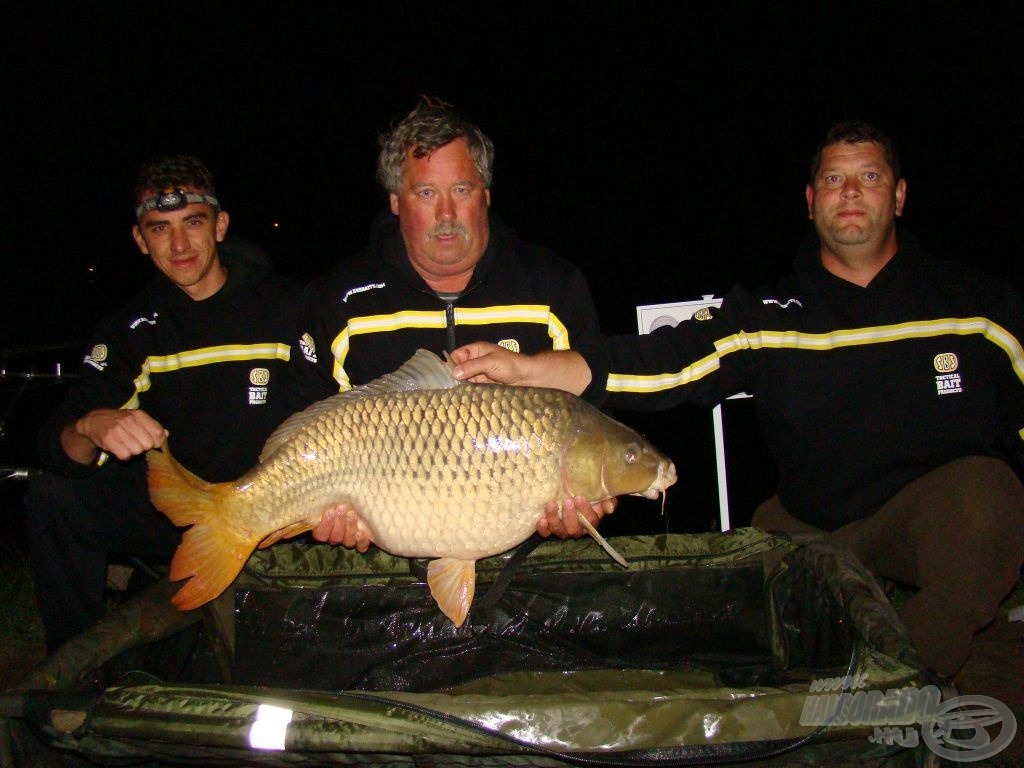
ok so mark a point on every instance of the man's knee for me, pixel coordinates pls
(772, 517)
(47, 489)
(63, 509)
(987, 501)
(49, 498)
(976, 543)
(972, 480)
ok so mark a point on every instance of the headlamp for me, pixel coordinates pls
(173, 200)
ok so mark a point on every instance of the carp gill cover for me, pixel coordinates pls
(436, 468)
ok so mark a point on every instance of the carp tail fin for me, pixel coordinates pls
(212, 552)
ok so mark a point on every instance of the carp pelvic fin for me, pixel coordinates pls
(286, 533)
(452, 585)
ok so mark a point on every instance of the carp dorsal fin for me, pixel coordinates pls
(424, 370)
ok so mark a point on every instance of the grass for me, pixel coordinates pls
(21, 633)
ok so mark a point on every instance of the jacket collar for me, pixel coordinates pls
(907, 258)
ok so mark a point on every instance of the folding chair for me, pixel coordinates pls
(652, 316)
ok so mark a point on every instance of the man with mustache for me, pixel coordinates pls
(441, 269)
(889, 386)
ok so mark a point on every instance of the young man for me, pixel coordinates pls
(441, 268)
(198, 357)
(889, 385)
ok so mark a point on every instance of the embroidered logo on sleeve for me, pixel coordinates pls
(259, 378)
(948, 380)
(97, 357)
(308, 347)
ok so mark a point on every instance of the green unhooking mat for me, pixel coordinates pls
(709, 648)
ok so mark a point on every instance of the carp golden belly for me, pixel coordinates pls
(434, 467)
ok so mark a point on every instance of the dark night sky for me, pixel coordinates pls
(663, 150)
(661, 146)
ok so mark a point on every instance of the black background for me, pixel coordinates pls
(662, 147)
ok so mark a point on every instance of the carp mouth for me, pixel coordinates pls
(666, 477)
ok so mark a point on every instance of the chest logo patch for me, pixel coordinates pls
(510, 344)
(948, 381)
(946, 362)
(259, 378)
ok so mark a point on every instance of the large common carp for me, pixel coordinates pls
(435, 468)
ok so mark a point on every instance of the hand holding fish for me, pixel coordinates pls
(484, 363)
(341, 525)
(564, 522)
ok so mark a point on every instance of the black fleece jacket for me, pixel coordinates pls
(858, 390)
(212, 371)
(373, 311)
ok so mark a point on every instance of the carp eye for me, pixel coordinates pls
(632, 454)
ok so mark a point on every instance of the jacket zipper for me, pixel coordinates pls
(449, 323)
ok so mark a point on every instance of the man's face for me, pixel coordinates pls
(442, 211)
(854, 198)
(183, 245)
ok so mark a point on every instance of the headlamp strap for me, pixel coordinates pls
(173, 200)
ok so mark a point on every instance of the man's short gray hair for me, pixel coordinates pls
(430, 126)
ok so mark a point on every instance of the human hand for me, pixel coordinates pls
(485, 363)
(564, 522)
(120, 432)
(341, 525)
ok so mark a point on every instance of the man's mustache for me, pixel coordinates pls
(450, 228)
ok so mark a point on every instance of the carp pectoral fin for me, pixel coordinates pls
(602, 541)
(285, 533)
(452, 584)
